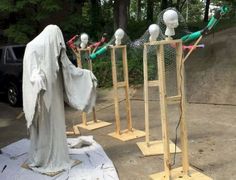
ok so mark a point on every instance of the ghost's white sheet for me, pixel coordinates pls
(94, 164)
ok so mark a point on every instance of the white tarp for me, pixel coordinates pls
(95, 165)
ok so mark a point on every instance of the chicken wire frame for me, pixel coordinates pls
(129, 133)
(156, 147)
(184, 172)
(95, 123)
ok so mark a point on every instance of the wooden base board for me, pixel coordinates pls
(128, 135)
(91, 125)
(177, 174)
(74, 132)
(51, 174)
(156, 148)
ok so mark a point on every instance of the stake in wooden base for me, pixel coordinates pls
(91, 125)
(156, 148)
(127, 135)
(177, 174)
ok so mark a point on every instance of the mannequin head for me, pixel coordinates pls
(170, 18)
(154, 31)
(119, 34)
(84, 40)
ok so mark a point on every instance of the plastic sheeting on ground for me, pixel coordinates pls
(95, 165)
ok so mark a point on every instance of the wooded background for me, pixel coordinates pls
(22, 20)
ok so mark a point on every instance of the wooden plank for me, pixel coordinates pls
(145, 90)
(156, 148)
(79, 61)
(117, 47)
(177, 174)
(126, 80)
(173, 99)
(153, 83)
(51, 174)
(183, 128)
(115, 92)
(94, 115)
(76, 130)
(194, 46)
(91, 125)
(127, 135)
(121, 84)
(162, 42)
(163, 106)
(84, 118)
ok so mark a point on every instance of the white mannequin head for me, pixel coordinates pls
(170, 18)
(119, 34)
(84, 40)
(154, 31)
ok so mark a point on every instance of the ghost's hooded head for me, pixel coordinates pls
(51, 42)
(43, 53)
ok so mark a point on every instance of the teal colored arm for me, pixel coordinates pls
(213, 21)
(98, 52)
(191, 37)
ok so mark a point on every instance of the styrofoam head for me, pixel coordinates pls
(170, 18)
(154, 31)
(119, 34)
(84, 38)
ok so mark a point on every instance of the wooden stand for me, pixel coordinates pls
(130, 132)
(95, 123)
(148, 147)
(184, 172)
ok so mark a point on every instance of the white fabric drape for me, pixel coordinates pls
(49, 78)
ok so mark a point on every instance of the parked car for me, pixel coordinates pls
(11, 68)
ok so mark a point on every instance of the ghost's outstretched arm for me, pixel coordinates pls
(79, 85)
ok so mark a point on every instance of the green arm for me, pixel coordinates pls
(213, 21)
(98, 52)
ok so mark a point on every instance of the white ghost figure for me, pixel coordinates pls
(49, 79)
(84, 40)
(170, 18)
(119, 34)
(154, 31)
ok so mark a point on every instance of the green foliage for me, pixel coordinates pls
(21, 20)
(20, 32)
(25, 17)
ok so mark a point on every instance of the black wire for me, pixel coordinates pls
(181, 112)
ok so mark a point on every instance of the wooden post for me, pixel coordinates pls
(145, 88)
(155, 147)
(95, 124)
(130, 132)
(115, 91)
(163, 106)
(184, 172)
(181, 92)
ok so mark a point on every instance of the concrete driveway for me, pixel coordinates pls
(211, 130)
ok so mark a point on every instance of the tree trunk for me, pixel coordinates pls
(164, 4)
(206, 10)
(138, 10)
(128, 10)
(178, 5)
(116, 14)
(95, 15)
(150, 4)
(120, 10)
